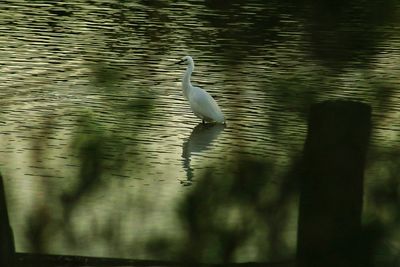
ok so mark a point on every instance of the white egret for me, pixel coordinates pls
(201, 102)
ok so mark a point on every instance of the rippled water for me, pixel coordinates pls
(111, 64)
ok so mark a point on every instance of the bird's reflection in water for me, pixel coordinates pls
(199, 141)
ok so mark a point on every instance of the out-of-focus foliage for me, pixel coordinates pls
(244, 211)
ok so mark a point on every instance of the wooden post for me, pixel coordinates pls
(331, 189)
(7, 250)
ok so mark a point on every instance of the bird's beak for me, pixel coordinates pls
(179, 62)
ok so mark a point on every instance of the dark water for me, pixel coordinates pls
(100, 74)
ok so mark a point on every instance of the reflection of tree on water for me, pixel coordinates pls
(199, 140)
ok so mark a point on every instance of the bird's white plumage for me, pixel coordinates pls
(201, 102)
(204, 106)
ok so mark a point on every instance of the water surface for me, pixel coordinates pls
(94, 84)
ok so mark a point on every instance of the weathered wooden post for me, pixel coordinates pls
(331, 190)
(7, 250)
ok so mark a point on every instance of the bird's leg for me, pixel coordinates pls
(203, 121)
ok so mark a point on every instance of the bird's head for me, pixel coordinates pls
(187, 60)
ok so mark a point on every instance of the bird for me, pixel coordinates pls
(202, 103)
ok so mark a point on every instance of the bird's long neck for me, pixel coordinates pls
(186, 84)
